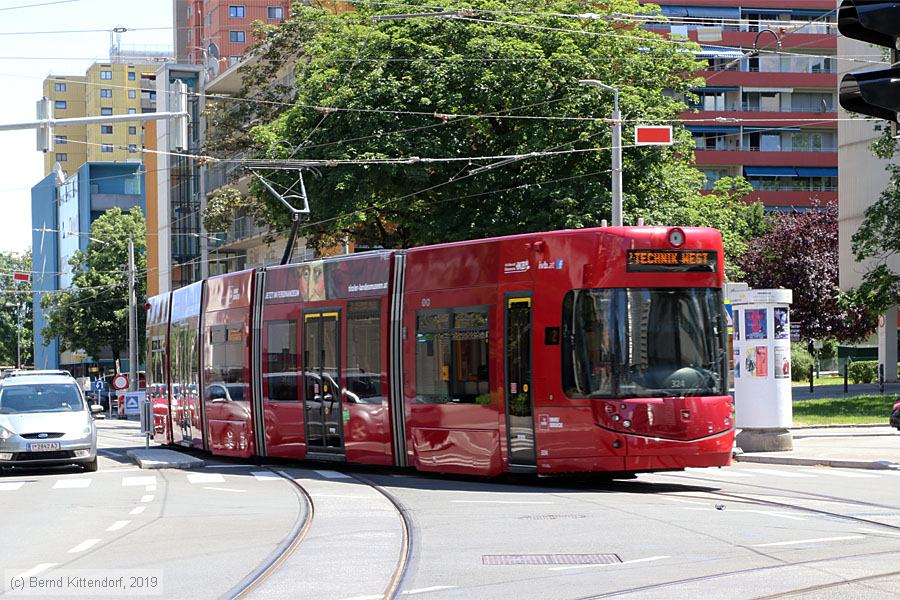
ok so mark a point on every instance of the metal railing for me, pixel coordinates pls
(746, 148)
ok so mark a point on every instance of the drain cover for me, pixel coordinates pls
(550, 559)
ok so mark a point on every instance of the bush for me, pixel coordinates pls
(864, 371)
(801, 362)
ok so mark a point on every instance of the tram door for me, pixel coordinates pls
(519, 407)
(321, 373)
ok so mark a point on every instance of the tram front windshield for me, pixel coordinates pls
(640, 342)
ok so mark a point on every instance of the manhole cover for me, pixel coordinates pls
(550, 559)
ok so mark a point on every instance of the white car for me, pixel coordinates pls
(45, 421)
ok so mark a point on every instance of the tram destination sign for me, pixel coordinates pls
(672, 260)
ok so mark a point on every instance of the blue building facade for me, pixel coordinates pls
(62, 213)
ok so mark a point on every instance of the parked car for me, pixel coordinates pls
(45, 421)
(895, 415)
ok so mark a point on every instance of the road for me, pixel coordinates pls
(329, 532)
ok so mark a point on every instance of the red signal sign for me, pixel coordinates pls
(22, 276)
(653, 135)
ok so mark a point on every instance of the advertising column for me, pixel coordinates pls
(762, 369)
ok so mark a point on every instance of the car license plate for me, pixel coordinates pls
(43, 446)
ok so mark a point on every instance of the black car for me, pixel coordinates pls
(895, 415)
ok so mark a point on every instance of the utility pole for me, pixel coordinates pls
(616, 150)
(132, 323)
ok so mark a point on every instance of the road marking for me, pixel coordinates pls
(499, 502)
(137, 510)
(151, 488)
(720, 472)
(333, 475)
(86, 544)
(624, 562)
(38, 569)
(265, 476)
(64, 484)
(830, 471)
(778, 473)
(11, 486)
(135, 481)
(205, 478)
(218, 489)
(683, 501)
(811, 541)
(117, 525)
(876, 532)
(147, 498)
(756, 512)
(434, 588)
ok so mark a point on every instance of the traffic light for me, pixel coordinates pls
(872, 92)
(44, 132)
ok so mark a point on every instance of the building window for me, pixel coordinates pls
(132, 148)
(60, 104)
(61, 157)
(61, 139)
(236, 11)
(237, 36)
(132, 94)
(106, 129)
(275, 12)
(130, 75)
(452, 357)
(132, 111)
(60, 87)
(105, 74)
(106, 147)
(106, 93)
(106, 110)
(132, 130)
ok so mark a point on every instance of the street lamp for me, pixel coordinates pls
(616, 150)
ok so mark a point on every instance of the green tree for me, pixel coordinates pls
(501, 81)
(93, 313)
(16, 311)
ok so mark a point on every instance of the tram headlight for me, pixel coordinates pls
(676, 237)
(626, 423)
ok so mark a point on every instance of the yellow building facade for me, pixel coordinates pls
(106, 89)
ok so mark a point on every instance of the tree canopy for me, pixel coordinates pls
(93, 313)
(16, 313)
(800, 252)
(500, 80)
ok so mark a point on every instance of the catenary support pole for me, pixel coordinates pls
(132, 323)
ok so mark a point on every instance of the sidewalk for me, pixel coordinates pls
(848, 447)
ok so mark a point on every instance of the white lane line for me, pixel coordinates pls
(137, 510)
(778, 473)
(499, 502)
(147, 498)
(205, 478)
(755, 512)
(332, 475)
(811, 541)
(877, 532)
(376, 597)
(848, 474)
(135, 481)
(719, 472)
(434, 588)
(38, 569)
(683, 501)
(11, 486)
(65, 484)
(265, 476)
(117, 525)
(218, 489)
(86, 544)
(624, 562)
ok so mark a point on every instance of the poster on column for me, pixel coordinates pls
(782, 363)
(762, 361)
(782, 330)
(755, 324)
(737, 362)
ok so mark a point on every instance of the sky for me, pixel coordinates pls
(28, 56)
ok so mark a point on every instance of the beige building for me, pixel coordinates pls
(105, 89)
(862, 179)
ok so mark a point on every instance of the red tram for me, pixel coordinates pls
(571, 351)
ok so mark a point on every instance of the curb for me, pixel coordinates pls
(848, 426)
(883, 465)
(163, 459)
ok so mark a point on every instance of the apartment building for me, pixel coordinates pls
(769, 117)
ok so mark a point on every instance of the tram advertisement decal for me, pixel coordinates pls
(755, 324)
(327, 280)
(671, 260)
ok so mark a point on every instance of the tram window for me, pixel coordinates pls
(363, 370)
(452, 363)
(281, 361)
(226, 364)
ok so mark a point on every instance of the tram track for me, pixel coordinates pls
(284, 550)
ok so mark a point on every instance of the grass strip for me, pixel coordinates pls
(844, 411)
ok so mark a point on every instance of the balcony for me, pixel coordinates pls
(822, 120)
(224, 173)
(243, 234)
(755, 157)
(792, 197)
(783, 79)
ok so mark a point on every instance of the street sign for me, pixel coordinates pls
(653, 135)
(795, 332)
(120, 381)
(133, 403)
(99, 385)
(22, 276)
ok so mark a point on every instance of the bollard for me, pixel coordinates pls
(881, 377)
(846, 375)
(812, 373)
